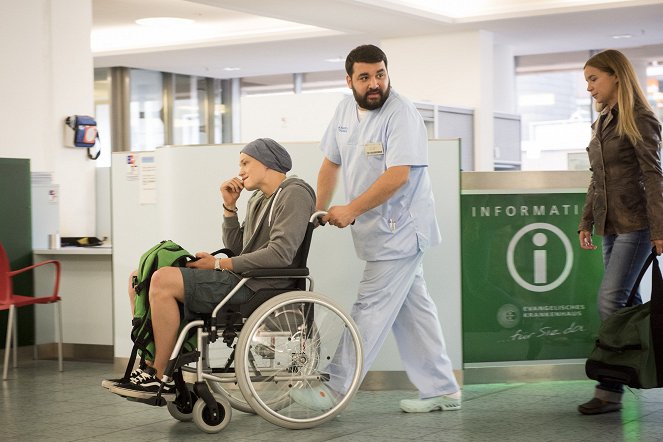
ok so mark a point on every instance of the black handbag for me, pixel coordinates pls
(629, 348)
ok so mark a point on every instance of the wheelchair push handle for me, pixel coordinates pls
(318, 216)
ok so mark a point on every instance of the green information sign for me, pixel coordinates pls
(529, 291)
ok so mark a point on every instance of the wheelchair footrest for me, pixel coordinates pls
(154, 401)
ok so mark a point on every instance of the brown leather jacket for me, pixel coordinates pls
(626, 190)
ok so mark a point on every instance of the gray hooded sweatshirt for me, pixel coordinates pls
(272, 231)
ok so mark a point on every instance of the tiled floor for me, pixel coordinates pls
(38, 403)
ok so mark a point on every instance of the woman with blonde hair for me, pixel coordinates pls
(624, 203)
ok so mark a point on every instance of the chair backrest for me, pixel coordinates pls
(5, 280)
(233, 313)
(302, 254)
(305, 246)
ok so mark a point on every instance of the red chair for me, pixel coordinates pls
(10, 301)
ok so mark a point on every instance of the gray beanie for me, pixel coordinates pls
(270, 153)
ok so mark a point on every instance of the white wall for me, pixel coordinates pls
(452, 70)
(292, 117)
(444, 69)
(47, 74)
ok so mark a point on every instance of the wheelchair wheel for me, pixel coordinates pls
(217, 355)
(229, 386)
(231, 391)
(182, 412)
(293, 342)
(206, 420)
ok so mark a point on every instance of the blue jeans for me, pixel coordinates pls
(623, 257)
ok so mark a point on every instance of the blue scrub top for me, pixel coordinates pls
(393, 135)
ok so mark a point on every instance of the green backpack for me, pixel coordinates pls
(166, 253)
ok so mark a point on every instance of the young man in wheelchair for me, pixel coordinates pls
(270, 236)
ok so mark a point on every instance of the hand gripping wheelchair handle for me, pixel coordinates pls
(317, 217)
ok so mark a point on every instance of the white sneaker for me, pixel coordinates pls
(108, 383)
(444, 402)
(146, 386)
(320, 398)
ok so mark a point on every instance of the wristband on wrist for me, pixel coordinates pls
(229, 210)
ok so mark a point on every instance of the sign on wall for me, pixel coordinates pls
(529, 291)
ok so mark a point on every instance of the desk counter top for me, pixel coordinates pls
(96, 250)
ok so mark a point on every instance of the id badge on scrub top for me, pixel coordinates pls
(373, 149)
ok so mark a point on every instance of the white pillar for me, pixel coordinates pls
(504, 90)
(48, 74)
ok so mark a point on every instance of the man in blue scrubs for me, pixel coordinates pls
(378, 142)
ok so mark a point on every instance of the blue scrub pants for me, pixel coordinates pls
(393, 296)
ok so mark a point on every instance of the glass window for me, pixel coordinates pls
(145, 110)
(556, 113)
(192, 107)
(655, 88)
(189, 116)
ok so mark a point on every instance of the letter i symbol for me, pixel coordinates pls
(540, 259)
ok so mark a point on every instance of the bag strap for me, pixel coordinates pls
(618, 350)
(656, 317)
(634, 291)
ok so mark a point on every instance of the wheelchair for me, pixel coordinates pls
(250, 356)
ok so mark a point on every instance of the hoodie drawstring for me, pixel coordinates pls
(271, 209)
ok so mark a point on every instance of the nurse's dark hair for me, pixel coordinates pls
(629, 92)
(364, 54)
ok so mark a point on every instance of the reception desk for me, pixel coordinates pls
(87, 303)
(528, 290)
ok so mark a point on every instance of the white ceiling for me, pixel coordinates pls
(246, 38)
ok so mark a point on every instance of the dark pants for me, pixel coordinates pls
(204, 289)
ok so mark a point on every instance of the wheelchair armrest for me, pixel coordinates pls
(262, 273)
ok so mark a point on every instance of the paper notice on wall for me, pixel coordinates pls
(53, 195)
(132, 167)
(147, 176)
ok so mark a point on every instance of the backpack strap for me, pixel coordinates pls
(132, 361)
(229, 253)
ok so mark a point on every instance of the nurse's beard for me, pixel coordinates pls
(364, 103)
